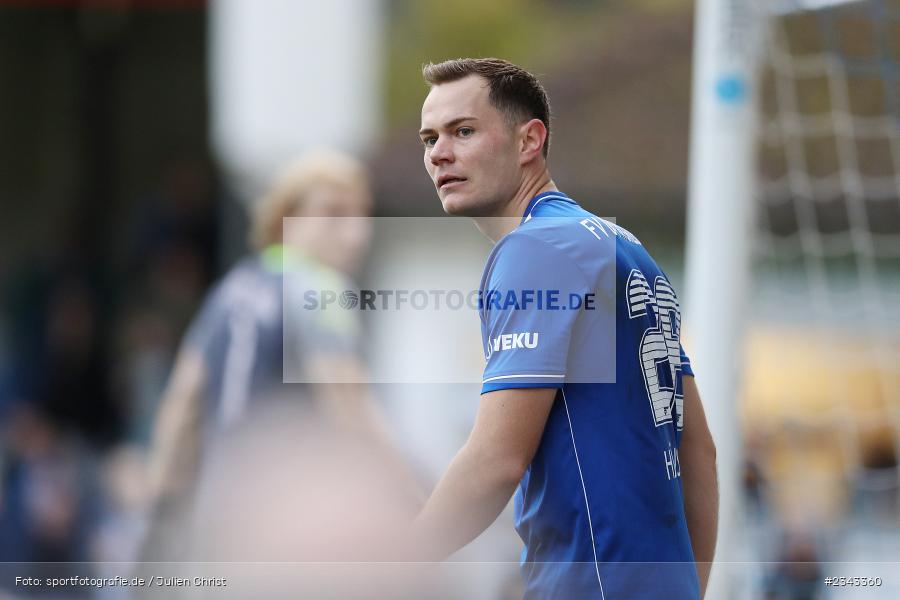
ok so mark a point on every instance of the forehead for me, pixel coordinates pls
(329, 199)
(468, 96)
(343, 192)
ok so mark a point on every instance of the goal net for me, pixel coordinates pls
(821, 400)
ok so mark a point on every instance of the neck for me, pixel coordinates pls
(509, 217)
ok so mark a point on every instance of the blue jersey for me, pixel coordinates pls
(574, 302)
(252, 346)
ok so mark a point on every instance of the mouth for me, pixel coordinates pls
(448, 181)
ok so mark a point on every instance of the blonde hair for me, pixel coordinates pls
(318, 169)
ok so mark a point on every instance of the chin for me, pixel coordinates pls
(458, 207)
(453, 209)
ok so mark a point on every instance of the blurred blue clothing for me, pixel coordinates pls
(252, 345)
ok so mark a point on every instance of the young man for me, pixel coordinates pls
(247, 342)
(615, 468)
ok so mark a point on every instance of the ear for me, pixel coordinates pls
(532, 136)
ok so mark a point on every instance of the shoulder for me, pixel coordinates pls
(249, 283)
(581, 242)
(527, 239)
(246, 289)
(528, 248)
(309, 273)
(528, 258)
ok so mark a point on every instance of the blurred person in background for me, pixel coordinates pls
(244, 336)
(614, 498)
(168, 256)
(798, 571)
(49, 501)
(60, 364)
(179, 212)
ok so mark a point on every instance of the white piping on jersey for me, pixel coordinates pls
(516, 376)
(239, 361)
(587, 506)
(528, 218)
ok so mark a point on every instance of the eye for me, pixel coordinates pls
(465, 131)
(429, 141)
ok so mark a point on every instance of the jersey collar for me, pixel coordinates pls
(545, 197)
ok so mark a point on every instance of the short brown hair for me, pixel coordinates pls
(288, 194)
(514, 91)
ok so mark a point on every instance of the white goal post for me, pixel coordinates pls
(719, 228)
(736, 43)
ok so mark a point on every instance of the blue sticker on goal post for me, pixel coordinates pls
(731, 89)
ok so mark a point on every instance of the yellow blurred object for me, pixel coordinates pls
(820, 379)
(818, 406)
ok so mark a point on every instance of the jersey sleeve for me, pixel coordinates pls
(528, 313)
(686, 368)
(207, 333)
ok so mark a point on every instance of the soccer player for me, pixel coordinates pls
(590, 414)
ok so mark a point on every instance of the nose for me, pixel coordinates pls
(442, 151)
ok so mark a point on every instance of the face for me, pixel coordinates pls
(470, 149)
(334, 227)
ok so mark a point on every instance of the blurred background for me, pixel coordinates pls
(137, 134)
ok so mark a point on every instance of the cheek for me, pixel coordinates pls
(498, 150)
(498, 157)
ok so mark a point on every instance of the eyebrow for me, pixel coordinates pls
(448, 124)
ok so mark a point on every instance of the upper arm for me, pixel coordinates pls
(526, 344)
(527, 327)
(181, 402)
(509, 426)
